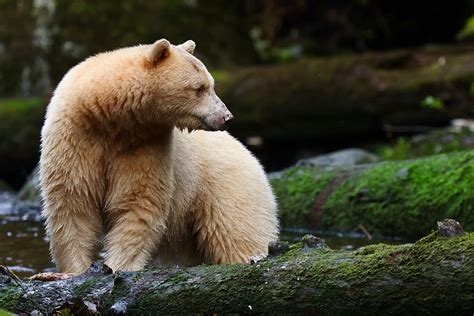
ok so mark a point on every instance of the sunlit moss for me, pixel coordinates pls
(400, 198)
(406, 198)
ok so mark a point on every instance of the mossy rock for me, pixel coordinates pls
(399, 198)
(30, 189)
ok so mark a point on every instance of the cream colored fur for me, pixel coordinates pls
(115, 168)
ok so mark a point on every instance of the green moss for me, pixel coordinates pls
(5, 313)
(9, 298)
(64, 312)
(179, 277)
(84, 288)
(301, 281)
(120, 291)
(299, 188)
(406, 198)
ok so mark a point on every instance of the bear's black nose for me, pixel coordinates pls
(228, 117)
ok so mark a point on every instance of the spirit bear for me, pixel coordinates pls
(132, 156)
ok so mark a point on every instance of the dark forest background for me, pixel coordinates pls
(301, 77)
(228, 33)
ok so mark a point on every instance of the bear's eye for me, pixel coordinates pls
(201, 90)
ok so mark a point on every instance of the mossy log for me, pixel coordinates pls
(395, 198)
(326, 99)
(435, 275)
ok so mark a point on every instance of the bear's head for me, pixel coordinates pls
(180, 90)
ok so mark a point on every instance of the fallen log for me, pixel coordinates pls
(396, 198)
(323, 100)
(435, 275)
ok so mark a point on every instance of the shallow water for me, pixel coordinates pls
(24, 247)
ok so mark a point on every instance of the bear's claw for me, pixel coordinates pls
(51, 276)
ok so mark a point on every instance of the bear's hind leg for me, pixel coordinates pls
(224, 240)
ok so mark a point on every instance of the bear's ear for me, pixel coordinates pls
(159, 50)
(188, 46)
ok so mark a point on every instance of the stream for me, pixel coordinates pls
(24, 245)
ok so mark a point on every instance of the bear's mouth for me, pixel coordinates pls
(209, 127)
(206, 126)
(202, 124)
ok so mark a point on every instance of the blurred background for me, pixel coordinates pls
(302, 78)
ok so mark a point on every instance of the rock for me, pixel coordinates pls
(450, 228)
(345, 157)
(276, 248)
(6, 201)
(4, 186)
(30, 190)
(341, 158)
(311, 242)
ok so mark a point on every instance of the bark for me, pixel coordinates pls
(399, 198)
(435, 275)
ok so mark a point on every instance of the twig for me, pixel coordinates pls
(365, 231)
(9, 273)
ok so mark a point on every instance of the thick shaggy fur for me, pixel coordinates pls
(116, 166)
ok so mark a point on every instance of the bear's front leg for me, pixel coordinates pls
(137, 208)
(73, 226)
(133, 237)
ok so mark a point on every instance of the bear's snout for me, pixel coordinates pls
(220, 116)
(220, 121)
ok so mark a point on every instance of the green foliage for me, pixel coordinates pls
(399, 151)
(269, 52)
(436, 142)
(467, 32)
(432, 102)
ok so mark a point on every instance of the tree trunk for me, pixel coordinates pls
(400, 198)
(433, 276)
